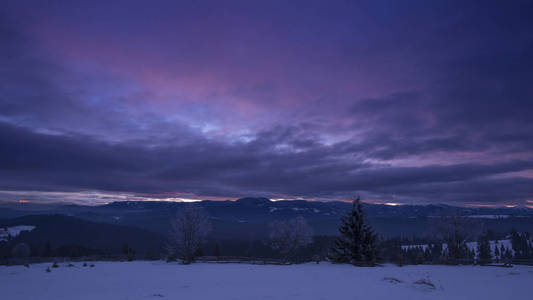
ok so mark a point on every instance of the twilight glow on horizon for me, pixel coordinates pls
(401, 102)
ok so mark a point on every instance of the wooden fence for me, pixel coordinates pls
(203, 259)
(241, 260)
(526, 262)
(213, 259)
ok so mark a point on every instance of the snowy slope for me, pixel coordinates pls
(14, 231)
(159, 280)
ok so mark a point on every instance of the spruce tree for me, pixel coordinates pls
(508, 255)
(521, 244)
(47, 249)
(497, 252)
(484, 255)
(357, 242)
(471, 254)
(436, 253)
(217, 250)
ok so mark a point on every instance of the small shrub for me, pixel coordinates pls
(27, 265)
(55, 265)
(70, 265)
(48, 270)
(399, 262)
(84, 265)
(316, 258)
(91, 265)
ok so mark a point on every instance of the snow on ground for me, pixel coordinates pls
(14, 231)
(159, 280)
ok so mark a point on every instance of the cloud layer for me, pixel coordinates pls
(413, 103)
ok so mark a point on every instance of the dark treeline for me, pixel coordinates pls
(293, 241)
(46, 250)
(401, 251)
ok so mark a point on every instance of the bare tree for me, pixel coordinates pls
(189, 229)
(21, 250)
(455, 231)
(287, 237)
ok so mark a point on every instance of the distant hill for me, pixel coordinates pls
(248, 218)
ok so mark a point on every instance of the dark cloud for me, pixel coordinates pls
(32, 161)
(423, 102)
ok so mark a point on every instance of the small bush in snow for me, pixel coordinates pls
(316, 258)
(55, 265)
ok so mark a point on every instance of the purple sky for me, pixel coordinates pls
(399, 101)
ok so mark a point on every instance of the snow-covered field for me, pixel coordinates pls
(159, 280)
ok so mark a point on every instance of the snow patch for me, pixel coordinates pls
(471, 245)
(13, 231)
(489, 216)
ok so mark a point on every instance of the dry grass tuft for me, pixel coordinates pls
(426, 282)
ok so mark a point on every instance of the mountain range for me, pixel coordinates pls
(248, 218)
